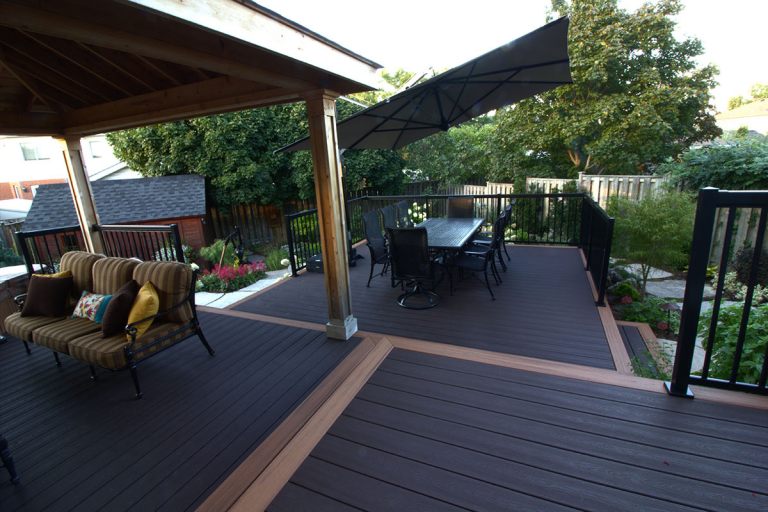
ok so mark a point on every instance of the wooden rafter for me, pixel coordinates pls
(29, 85)
(159, 70)
(99, 52)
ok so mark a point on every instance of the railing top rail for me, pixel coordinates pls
(599, 209)
(51, 231)
(483, 196)
(742, 198)
(136, 228)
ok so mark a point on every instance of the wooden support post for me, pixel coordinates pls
(82, 195)
(321, 109)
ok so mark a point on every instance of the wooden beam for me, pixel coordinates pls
(82, 195)
(223, 94)
(40, 21)
(30, 123)
(321, 109)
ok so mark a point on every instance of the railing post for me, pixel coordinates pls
(177, 247)
(706, 211)
(291, 252)
(605, 263)
(22, 241)
(498, 205)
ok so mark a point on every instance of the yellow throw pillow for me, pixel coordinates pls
(63, 273)
(147, 303)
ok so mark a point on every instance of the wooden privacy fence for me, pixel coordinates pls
(601, 187)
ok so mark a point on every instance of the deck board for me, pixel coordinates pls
(85, 446)
(485, 437)
(544, 308)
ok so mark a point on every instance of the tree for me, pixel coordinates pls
(637, 97)
(758, 92)
(654, 231)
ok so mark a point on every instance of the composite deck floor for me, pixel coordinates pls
(544, 308)
(433, 433)
(90, 446)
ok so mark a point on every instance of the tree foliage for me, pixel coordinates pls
(637, 97)
(654, 231)
(736, 164)
(758, 92)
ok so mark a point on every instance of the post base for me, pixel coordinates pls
(688, 393)
(341, 330)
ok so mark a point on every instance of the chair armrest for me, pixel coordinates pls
(19, 300)
(131, 329)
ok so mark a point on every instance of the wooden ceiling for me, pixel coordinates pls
(81, 67)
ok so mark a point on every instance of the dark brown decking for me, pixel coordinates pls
(83, 446)
(544, 308)
(637, 350)
(435, 433)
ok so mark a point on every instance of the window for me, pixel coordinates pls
(98, 148)
(16, 191)
(32, 151)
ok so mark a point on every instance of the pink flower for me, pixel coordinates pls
(626, 299)
(662, 326)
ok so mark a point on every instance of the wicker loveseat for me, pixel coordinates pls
(82, 339)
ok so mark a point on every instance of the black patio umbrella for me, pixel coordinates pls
(529, 65)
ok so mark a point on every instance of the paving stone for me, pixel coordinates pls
(674, 289)
(655, 273)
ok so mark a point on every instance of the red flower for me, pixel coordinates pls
(662, 326)
(626, 299)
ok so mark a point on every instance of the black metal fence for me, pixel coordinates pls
(553, 219)
(734, 337)
(42, 249)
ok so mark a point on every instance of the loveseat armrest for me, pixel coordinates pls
(19, 300)
(131, 329)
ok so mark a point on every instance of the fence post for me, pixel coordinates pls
(291, 252)
(706, 209)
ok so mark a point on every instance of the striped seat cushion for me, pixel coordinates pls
(109, 352)
(56, 336)
(109, 274)
(81, 265)
(172, 280)
(22, 327)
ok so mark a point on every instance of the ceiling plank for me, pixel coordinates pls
(223, 94)
(29, 85)
(27, 123)
(44, 22)
(110, 59)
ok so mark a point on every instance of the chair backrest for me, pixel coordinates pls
(173, 282)
(461, 207)
(409, 253)
(372, 228)
(389, 215)
(498, 231)
(80, 263)
(403, 216)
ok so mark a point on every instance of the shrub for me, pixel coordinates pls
(734, 289)
(726, 336)
(655, 231)
(624, 289)
(649, 311)
(9, 258)
(274, 258)
(230, 278)
(212, 253)
(742, 265)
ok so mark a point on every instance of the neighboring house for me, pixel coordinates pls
(752, 115)
(163, 200)
(28, 162)
(12, 215)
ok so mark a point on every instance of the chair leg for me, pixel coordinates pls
(370, 276)
(501, 260)
(495, 272)
(135, 378)
(56, 357)
(487, 284)
(7, 460)
(93, 373)
(26, 347)
(205, 342)
(504, 246)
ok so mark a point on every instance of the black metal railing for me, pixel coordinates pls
(42, 249)
(735, 337)
(147, 243)
(554, 219)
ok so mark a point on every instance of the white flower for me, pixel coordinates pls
(194, 266)
(285, 262)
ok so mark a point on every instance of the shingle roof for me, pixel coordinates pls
(121, 201)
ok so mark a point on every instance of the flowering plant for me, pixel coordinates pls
(418, 213)
(229, 278)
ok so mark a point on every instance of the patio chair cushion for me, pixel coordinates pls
(172, 280)
(109, 274)
(81, 265)
(110, 352)
(47, 296)
(147, 304)
(57, 335)
(21, 327)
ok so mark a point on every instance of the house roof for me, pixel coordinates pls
(754, 109)
(121, 201)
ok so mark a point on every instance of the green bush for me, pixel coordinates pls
(739, 164)
(726, 336)
(649, 311)
(655, 231)
(274, 257)
(742, 265)
(9, 258)
(624, 289)
(212, 253)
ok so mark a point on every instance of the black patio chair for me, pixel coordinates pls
(477, 258)
(403, 217)
(376, 243)
(413, 267)
(497, 233)
(461, 207)
(389, 216)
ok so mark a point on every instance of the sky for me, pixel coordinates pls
(418, 34)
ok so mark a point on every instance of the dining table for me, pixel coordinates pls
(450, 233)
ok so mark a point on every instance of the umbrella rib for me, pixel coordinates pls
(498, 85)
(384, 120)
(402, 120)
(508, 70)
(413, 113)
(443, 124)
(461, 92)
